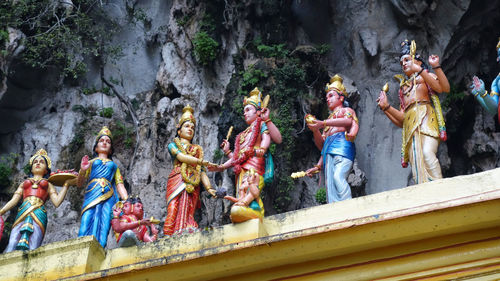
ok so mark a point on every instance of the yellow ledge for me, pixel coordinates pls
(439, 230)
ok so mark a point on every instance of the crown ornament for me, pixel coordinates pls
(498, 44)
(104, 132)
(254, 98)
(336, 84)
(187, 115)
(44, 154)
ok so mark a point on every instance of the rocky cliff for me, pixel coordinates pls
(162, 55)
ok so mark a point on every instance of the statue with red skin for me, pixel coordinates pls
(129, 225)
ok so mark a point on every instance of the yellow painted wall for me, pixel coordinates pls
(440, 230)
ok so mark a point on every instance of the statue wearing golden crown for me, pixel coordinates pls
(188, 173)
(419, 113)
(249, 158)
(336, 141)
(104, 186)
(28, 229)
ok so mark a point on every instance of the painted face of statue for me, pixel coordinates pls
(103, 145)
(406, 63)
(138, 210)
(250, 113)
(127, 208)
(39, 166)
(187, 130)
(334, 99)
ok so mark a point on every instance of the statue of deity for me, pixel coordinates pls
(104, 185)
(249, 158)
(336, 141)
(183, 185)
(488, 101)
(28, 229)
(129, 224)
(419, 113)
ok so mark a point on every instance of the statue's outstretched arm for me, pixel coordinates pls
(58, 198)
(13, 202)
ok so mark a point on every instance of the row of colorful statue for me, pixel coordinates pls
(419, 115)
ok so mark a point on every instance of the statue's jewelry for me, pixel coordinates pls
(188, 169)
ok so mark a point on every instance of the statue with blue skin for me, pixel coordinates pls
(488, 101)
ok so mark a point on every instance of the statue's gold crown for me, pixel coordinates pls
(43, 153)
(187, 114)
(337, 85)
(498, 44)
(255, 98)
(104, 132)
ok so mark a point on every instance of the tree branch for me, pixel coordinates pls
(124, 99)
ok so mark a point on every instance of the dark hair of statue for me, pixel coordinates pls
(47, 174)
(405, 50)
(95, 154)
(345, 103)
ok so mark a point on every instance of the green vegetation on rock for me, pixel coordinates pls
(205, 48)
(58, 35)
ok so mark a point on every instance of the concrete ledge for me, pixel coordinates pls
(450, 226)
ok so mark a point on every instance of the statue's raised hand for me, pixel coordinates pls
(225, 146)
(434, 60)
(477, 86)
(264, 114)
(382, 100)
(85, 164)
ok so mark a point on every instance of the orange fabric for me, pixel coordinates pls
(257, 163)
(180, 210)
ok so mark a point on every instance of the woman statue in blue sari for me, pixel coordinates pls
(104, 185)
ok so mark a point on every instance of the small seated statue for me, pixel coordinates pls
(129, 225)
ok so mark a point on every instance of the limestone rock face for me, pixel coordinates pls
(158, 74)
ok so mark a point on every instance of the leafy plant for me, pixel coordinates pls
(218, 154)
(106, 112)
(275, 51)
(205, 48)
(6, 168)
(58, 35)
(321, 195)
(123, 133)
(323, 48)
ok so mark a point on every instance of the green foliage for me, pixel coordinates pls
(321, 195)
(106, 112)
(56, 37)
(205, 48)
(453, 97)
(184, 20)
(27, 169)
(79, 137)
(218, 155)
(275, 51)
(290, 83)
(323, 48)
(121, 132)
(4, 36)
(207, 23)
(250, 79)
(87, 111)
(88, 91)
(6, 168)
